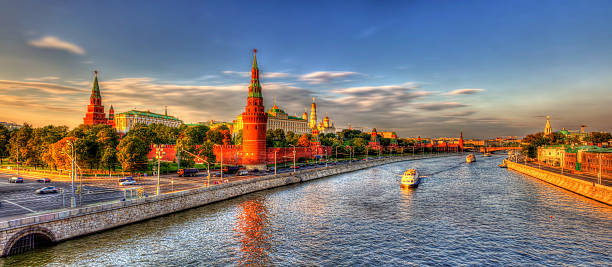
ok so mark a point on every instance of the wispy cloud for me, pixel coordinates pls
(435, 106)
(268, 75)
(8, 85)
(46, 78)
(319, 77)
(469, 91)
(52, 42)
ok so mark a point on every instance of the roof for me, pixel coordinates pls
(95, 90)
(148, 114)
(594, 149)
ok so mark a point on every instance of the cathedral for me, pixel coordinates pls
(324, 126)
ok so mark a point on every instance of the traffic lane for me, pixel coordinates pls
(604, 180)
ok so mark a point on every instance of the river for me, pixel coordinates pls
(461, 214)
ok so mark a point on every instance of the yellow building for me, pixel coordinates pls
(125, 121)
(278, 119)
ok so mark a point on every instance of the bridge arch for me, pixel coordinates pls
(28, 239)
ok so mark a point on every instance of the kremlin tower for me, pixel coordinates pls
(313, 115)
(95, 110)
(255, 120)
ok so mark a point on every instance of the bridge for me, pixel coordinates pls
(492, 149)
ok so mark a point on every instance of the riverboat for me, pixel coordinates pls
(410, 179)
(503, 165)
(470, 158)
(486, 154)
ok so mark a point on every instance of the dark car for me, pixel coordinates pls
(47, 190)
(15, 180)
(44, 180)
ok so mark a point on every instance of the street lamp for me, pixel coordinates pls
(275, 162)
(158, 155)
(293, 157)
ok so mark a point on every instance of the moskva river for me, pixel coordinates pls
(476, 214)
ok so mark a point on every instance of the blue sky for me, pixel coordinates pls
(399, 66)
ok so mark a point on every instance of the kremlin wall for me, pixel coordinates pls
(253, 122)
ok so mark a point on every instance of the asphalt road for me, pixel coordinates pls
(19, 199)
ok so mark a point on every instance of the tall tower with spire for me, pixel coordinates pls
(255, 121)
(548, 129)
(95, 110)
(313, 114)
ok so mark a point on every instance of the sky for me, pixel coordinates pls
(420, 68)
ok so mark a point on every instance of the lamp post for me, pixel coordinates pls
(293, 158)
(275, 162)
(158, 155)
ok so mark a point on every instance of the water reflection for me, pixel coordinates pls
(252, 231)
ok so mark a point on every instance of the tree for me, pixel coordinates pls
(359, 145)
(19, 143)
(291, 138)
(304, 141)
(109, 158)
(5, 136)
(238, 138)
(597, 138)
(56, 156)
(132, 153)
(276, 138)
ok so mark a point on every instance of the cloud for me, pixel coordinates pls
(435, 106)
(264, 75)
(464, 91)
(38, 87)
(52, 42)
(46, 78)
(319, 77)
(240, 73)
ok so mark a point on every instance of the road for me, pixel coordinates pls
(17, 200)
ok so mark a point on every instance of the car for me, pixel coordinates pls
(129, 178)
(47, 190)
(294, 167)
(16, 180)
(44, 180)
(241, 173)
(127, 182)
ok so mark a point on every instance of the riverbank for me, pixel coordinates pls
(590, 190)
(70, 223)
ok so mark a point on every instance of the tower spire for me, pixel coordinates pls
(255, 87)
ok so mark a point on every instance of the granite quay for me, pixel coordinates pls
(590, 189)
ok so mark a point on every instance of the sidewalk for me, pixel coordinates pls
(607, 181)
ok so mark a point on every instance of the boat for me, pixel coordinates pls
(470, 158)
(503, 165)
(410, 178)
(486, 154)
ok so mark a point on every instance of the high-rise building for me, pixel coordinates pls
(95, 110)
(254, 120)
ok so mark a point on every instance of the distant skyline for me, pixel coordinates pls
(428, 68)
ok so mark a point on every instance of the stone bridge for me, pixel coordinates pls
(23, 234)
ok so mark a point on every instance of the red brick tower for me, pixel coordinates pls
(95, 109)
(111, 116)
(255, 120)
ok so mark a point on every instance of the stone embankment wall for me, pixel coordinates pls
(66, 224)
(591, 190)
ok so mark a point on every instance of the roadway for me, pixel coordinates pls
(18, 199)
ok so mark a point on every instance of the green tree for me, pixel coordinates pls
(597, 138)
(238, 138)
(5, 136)
(109, 158)
(18, 144)
(132, 153)
(359, 144)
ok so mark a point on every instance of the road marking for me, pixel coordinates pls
(20, 206)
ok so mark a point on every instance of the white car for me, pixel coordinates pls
(128, 182)
(241, 173)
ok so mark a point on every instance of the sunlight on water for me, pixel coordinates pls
(460, 214)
